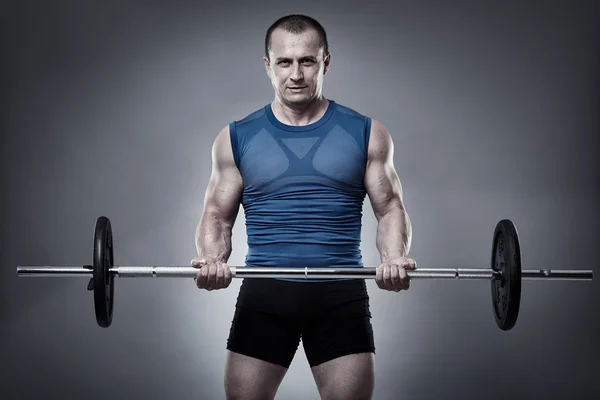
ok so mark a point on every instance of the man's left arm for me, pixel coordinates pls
(394, 231)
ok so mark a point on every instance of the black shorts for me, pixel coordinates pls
(332, 318)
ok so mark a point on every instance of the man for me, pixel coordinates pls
(301, 167)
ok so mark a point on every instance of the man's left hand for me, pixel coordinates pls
(391, 275)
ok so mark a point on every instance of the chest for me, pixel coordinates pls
(335, 155)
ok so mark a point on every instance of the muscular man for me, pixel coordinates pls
(301, 167)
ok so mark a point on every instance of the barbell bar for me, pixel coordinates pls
(184, 271)
(505, 273)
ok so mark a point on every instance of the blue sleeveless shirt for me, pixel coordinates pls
(303, 188)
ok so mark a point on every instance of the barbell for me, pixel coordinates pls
(505, 273)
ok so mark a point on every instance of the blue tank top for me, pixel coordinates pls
(303, 188)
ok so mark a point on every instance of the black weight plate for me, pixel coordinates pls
(506, 290)
(104, 289)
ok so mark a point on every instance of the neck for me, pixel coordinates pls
(299, 114)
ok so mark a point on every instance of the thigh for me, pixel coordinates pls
(339, 342)
(263, 336)
(341, 323)
(350, 377)
(262, 342)
(249, 378)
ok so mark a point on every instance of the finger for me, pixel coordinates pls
(404, 279)
(409, 264)
(198, 262)
(379, 276)
(228, 275)
(220, 278)
(201, 277)
(387, 274)
(395, 278)
(212, 276)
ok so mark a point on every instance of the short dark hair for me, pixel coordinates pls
(296, 24)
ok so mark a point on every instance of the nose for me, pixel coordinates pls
(297, 74)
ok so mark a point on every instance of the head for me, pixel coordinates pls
(296, 59)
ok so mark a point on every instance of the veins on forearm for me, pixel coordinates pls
(213, 238)
(393, 234)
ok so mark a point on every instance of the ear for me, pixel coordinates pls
(267, 66)
(327, 62)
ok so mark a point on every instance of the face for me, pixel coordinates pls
(296, 66)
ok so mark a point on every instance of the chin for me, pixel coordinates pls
(299, 99)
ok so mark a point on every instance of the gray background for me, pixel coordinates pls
(111, 110)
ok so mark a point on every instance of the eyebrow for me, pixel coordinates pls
(305, 58)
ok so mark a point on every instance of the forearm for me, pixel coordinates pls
(394, 234)
(213, 237)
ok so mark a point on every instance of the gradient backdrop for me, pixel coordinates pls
(111, 109)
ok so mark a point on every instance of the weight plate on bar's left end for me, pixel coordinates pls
(104, 289)
(506, 290)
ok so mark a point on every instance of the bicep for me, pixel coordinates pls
(222, 198)
(381, 179)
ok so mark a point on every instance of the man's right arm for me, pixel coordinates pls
(221, 203)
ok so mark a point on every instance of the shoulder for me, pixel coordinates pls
(249, 120)
(381, 145)
(377, 139)
(227, 143)
(222, 148)
(222, 138)
(377, 130)
(349, 112)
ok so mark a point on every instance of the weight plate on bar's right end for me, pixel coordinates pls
(506, 290)
(104, 289)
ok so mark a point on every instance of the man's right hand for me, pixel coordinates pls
(213, 274)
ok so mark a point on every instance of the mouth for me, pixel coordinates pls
(297, 87)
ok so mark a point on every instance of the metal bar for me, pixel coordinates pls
(558, 274)
(299, 273)
(51, 272)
